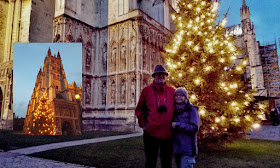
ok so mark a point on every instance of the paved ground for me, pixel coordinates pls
(18, 159)
(36, 149)
(13, 160)
(266, 132)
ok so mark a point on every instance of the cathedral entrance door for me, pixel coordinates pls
(67, 128)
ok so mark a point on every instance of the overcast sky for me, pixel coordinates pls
(29, 58)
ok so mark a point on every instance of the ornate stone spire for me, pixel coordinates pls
(245, 12)
(244, 3)
(49, 52)
(58, 55)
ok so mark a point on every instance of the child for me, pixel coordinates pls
(186, 125)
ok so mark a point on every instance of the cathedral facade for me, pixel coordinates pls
(7, 12)
(64, 99)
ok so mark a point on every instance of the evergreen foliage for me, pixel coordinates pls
(203, 58)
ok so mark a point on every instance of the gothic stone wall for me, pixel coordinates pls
(4, 6)
(118, 61)
(133, 51)
(6, 115)
(41, 20)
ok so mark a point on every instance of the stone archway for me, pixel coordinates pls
(67, 128)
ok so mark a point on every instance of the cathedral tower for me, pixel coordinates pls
(67, 110)
(245, 17)
(254, 69)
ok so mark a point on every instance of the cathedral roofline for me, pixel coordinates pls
(141, 15)
(235, 25)
(65, 15)
(138, 14)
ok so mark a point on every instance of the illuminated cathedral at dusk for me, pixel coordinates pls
(64, 99)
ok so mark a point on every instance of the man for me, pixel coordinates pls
(155, 113)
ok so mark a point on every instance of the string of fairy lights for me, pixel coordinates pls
(200, 34)
(43, 121)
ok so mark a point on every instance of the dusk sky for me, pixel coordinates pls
(29, 58)
(265, 14)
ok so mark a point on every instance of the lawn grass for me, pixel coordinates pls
(10, 141)
(242, 154)
(124, 153)
(128, 153)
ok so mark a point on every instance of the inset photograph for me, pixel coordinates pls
(47, 88)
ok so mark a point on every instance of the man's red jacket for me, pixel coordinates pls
(158, 124)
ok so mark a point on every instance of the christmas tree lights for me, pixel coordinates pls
(43, 122)
(204, 59)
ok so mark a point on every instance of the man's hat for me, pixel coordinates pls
(159, 69)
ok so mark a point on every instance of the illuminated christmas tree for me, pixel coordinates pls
(204, 59)
(43, 121)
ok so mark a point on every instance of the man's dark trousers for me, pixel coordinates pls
(151, 147)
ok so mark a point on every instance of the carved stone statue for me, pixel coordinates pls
(69, 37)
(103, 93)
(104, 56)
(123, 57)
(123, 92)
(133, 53)
(113, 58)
(113, 92)
(144, 56)
(88, 93)
(88, 57)
(132, 88)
